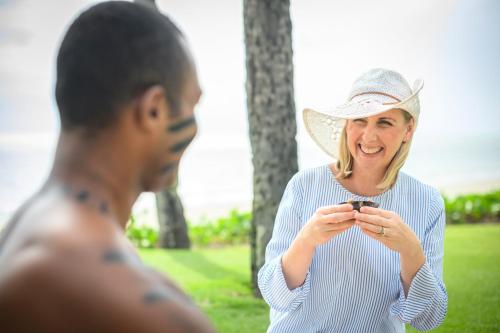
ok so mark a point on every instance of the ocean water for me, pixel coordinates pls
(215, 178)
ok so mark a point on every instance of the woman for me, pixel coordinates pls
(330, 268)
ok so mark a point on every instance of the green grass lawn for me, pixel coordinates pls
(219, 281)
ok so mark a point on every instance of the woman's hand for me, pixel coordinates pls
(321, 227)
(388, 228)
(326, 223)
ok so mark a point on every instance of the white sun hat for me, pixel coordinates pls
(378, 90)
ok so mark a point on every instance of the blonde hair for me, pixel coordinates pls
(345, 160)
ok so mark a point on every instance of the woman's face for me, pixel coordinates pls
(373, 141)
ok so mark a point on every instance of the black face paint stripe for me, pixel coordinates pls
(182, 124)
(168, 168)
(178, 147)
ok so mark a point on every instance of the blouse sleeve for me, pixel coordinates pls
(425, 306)
(271, 280)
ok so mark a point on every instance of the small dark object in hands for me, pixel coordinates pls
(358, 204)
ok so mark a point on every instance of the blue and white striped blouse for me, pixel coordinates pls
(353, 283)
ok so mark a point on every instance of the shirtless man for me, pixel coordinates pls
(126, 91)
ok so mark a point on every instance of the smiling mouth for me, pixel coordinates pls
(370, 151)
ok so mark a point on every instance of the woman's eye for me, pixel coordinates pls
(385, 123)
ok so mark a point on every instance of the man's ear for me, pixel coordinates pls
(152, 108)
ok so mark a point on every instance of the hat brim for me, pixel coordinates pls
(325, 127)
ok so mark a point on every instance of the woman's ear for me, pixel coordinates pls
(410, 127)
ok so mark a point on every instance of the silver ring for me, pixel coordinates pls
(382, 231)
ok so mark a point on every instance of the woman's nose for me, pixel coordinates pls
(370, 133)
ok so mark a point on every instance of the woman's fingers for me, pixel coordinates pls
(373, 219)
(371, 227)
(376, 211)
(374, 235)
(334, 209)
(338, 217)
(339, 226)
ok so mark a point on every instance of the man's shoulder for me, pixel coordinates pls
(105, 282)
(56, 257)
(56, 223)
(78, 263)
(27, 274)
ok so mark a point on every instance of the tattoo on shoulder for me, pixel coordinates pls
(156, 295)
(82, 196)
(113, 256)
(103, 207)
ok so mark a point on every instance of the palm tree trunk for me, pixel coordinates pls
(173, 226)
(271, 114)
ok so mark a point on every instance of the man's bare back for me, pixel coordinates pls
(126, 91)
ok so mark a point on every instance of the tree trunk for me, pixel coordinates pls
(271, 114)
(173, 226)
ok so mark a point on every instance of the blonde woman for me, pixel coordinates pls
(333, 266)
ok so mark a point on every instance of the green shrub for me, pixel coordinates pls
(141, 235)
(234, 228)
(228, 230)
(473, 208)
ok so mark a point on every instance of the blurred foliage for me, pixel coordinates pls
(473, 208)
(234, 228)
(141, 235)
(227, 230)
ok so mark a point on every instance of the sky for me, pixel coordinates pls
(454, 45)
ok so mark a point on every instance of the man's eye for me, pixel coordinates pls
(385, 123)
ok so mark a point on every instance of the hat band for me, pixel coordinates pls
(375, 92)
